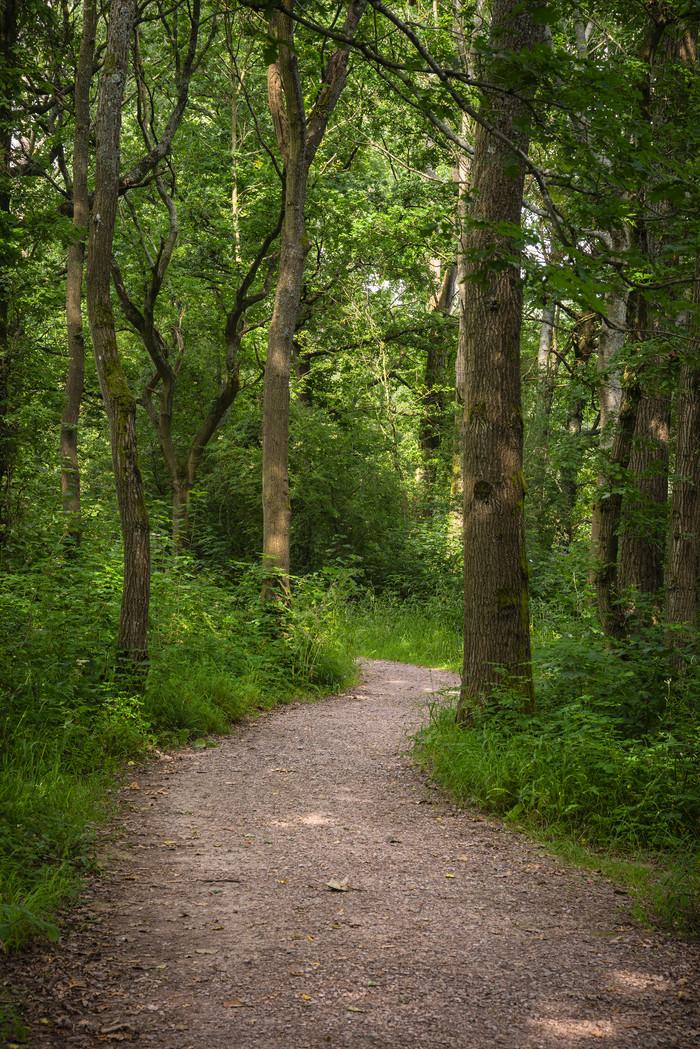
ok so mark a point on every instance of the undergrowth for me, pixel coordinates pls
(66, 726)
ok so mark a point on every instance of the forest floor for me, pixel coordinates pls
(215, 923)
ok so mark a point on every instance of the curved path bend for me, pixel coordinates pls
(215, 925)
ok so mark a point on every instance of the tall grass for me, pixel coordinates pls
(426, 632)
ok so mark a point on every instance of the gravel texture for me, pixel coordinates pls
(216, 923)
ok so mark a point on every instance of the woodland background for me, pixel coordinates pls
(398, 232)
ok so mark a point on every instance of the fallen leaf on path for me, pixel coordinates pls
(356, 1009)
(204, 950)
(338, 886)
(236, 1003)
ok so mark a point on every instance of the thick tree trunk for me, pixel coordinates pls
(70, 466)
(496, 616)
(132, 641)
(8, 37)
(289, 118)
(683, 571)
(643, 532)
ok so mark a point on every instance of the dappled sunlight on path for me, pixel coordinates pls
(301, 885)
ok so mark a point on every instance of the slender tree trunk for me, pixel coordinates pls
(538, 456)
(610, 342)
(298, 141)
(496, 616)
(132, 641)
(461, 174)
(70, 466)
(683, 571)
(612, 614)
(432, 401)
(8, 37)
(569, 471)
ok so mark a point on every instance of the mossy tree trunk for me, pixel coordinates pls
(496, 616)
(8, 36)
(132, 640)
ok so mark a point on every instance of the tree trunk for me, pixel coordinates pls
(496, 615)
(612, 614)
(611, 341)
(683, 571)
(537, 457)
(8, 37)
(132, 640)
(70, 466)
(432, 400)
(461, 174)
(642, 536)
(298, 142)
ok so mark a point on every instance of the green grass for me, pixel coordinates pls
(427, 634)
(568, 777)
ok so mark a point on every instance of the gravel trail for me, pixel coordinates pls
(215, 926)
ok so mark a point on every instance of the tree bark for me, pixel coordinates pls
(298, 141)
(496, 615)
(683, 571)
(613, 616)
(132, 640)
(8, 38)
(642, 536)
(70, 466)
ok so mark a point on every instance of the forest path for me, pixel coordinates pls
(215, 928)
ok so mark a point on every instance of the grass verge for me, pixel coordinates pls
(597, 801)
(67, 728)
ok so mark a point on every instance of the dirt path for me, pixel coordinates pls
(215, 926)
